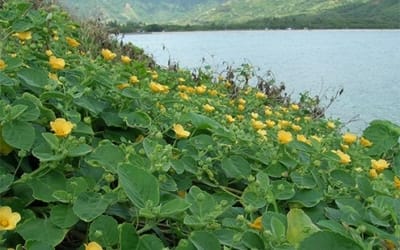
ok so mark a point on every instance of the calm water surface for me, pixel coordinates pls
(366, 63)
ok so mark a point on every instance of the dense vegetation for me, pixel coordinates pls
(255, 14)
(100, 148)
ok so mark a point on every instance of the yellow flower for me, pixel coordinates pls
(72, 42)
(344, 147)
(349, 138)
(126, 59)
(296, 128)
(372, 173)
(8, 219)
(331, 125)
(229, 118)
(257, 224)
(317, 138)
(93, 246)
(270, 123)
(260, 95)
(257, 124)
(49, 52)
(284, 137)
(344, 158)
(295, 107)
(154, 75)
(184, 96)
(182, 87)
(241, 107)
(56, 63)
(61, 127)
(379, 165)
(158, 88)
(240, 117)
(180, 132)
(267, 111)
(133, 79)
(242, 101)
(282, 124)
(181, 80)
(365, 142)
(303, 138)
(3, 64)
(213, 92)
(396, 182)
(107, 54)
(53, 76)
(254, 115)
(56, 38)
(262, 132)
(208, 108)
(27, 35)
(201, 89)
(123, 86)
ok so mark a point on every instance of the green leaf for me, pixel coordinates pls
(203, 204)
(5, 80)
(52, 140)
(5, 182)
(307, 198)
(136, 119)
(173, 207)
(37, 245)
(63, 216)
(106, 155)
(252, 240)
(80, 149)
(299, 226)
(254, 199)
(104, 230)
(283, 190)
(91, 104)
(328, 241)
(31, 113)
(201, 121)
(90, 205)
(149, 242)
(203, 240)
(140, 186)
(303, 181)
(41, 230)
(17, 110)
(278, 229)
(236, 167)
(44, 186)
(128, 239)
(31, 77)
(383, 134)
(19, 134)
(22, 25)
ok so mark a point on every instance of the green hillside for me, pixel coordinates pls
(358, 13)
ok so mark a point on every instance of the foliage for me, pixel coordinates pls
(133, 16)
(171, 159)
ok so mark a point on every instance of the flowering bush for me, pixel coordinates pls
(98, 154)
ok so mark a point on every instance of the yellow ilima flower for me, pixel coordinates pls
(260, 95)
(282, 124)
(49, 52)
(241, 107)
(229, 118)
(379, 165)
(93, 246)
(213, 92)
(201, 89)
(181, 80)
(257, 224)
(344, 158)
(397, 182)
(126, 59)
(180, 132)
(72, 42)
(240, 117)
(107, 54)
(184, 96)
(53, 76)
(295, 107)
(284, 137)
(123, 86)
(3, 64)
(182, 87)
(296, 128)
(331, 125)
(61, 127)
(303, 138)
(158, 88)
(270, 123)
(254, 115)
(8, 218)
(262, 133)
(349, 138)
(133, 79)
(208, 108)
(372, 173)
(257, 124)
(365, 142)
(317, 138)
(242, 101)
(56, 63)
(27, 35)
(268, 111)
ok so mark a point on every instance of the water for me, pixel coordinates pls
(365, 63)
